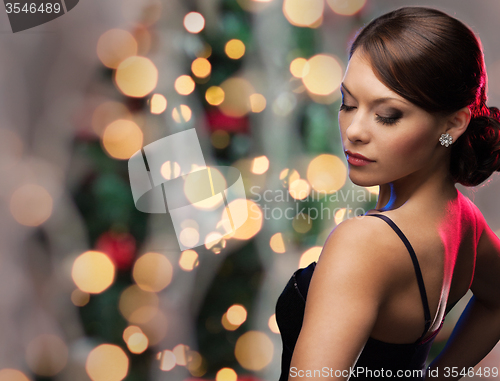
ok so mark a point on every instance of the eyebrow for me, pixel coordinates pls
(375, 101)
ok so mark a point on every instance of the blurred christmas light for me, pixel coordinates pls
(326, 173)
(303, 12)
(237, 97)
(220, 139)
(235, 49)
(201, 67)
(373, 190)
(189, 237)
(108, 112)
(129, 331)
(196, 364)
(309, 256)
(194, 22)
(215, 242)
(181, 114)
(137, 343)
(257, 103)
(8, 374)
(288, 176)
(302, 223)
(227, 324)
(46, 355)
(254, 350)
(152, 272)
(156, 326)
(158, 104)
(214, 95)
(122, 138)
(170, 170)
(226, 374)
(31, 205)
(324, 74)
(340, 215)
(93, 272)
(260, 165)
(277, 244)
(297, 67)
(273, 325)
(136, 76)
(299, 189)
(236, 314)
(346, 7)
(188, 260)
(252, 225)
(167, 360)
(180, 352)
(107, 363)
(114, 46)
(138, 306)
(80, 298)
(184, 85)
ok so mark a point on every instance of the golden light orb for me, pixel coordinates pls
(136, 76)
(93, 272)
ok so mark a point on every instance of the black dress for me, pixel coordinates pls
(382, 359)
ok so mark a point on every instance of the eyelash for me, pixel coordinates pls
(380, 119)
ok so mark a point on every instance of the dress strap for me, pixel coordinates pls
(418, 273)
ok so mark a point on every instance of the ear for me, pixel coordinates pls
(457, 122)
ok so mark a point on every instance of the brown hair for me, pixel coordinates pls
(436, 62)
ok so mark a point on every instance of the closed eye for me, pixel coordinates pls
(344, 107)
(388, 120)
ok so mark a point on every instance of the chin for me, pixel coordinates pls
(363, 181)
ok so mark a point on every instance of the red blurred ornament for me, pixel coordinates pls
(219, 121)
(119, 247)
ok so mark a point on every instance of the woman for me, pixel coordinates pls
(413, 120)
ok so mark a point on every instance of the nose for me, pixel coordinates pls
(357, 131)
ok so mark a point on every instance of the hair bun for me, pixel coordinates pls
(479, 149)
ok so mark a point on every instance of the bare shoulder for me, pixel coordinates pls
(366, 248)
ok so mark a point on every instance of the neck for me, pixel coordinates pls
(424, 188)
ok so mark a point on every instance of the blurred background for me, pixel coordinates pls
(93, 289)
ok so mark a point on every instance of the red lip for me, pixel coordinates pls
(357, 160)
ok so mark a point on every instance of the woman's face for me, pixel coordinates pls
(397, 138)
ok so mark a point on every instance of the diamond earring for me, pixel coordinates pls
(446, 139)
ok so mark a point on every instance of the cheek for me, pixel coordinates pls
(413, 147)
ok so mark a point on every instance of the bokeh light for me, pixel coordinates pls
(277, 244)
(201, 67)
(373, 189)
(181, 114)
(80, 298)
(138, 306)
(184, 85)
(299, 189)
(152, 272)
(226, 374)
(288, 176)
(31, 205)
(158, 104)
(107, 363)
(46, 355)
(214, 95)
(93, 272)
(310, 255)
(114, 46)
(303, 12)
(137, 343)
(254, 350)
(196, 364)
(129, 331)
(122, 138)
(136, 76)
(220, 139)
(170, 170)
(235, 49)
(167, 360)
(257, 102)
(260, 165)
(340, 215)
(323, 74)
(346, 7)
(302, 223)
(188, 260)
(326, 173)
(227, 324)
(297, 67)
(194, 22)
(236, 314)
(237, 97)
(180, 352)
(273, 324)
(251, 225)
(8, 374)
(108, 112)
